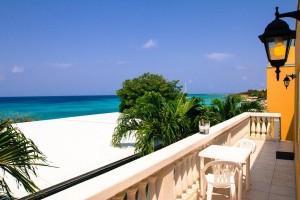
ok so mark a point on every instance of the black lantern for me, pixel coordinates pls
(277, 40)
(286, 80)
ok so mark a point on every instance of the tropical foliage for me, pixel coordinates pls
(153, 120)
(133, 89)
(17, 117)
(262, 94)
(233, 105)
(19, 157)
(155, 111)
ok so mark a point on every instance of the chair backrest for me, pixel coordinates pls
(246, 143)
(223, 172)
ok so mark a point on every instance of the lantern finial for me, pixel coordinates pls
(277, 13)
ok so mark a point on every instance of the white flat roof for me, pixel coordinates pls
(75, 145)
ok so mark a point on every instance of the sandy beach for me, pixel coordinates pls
(75, 145)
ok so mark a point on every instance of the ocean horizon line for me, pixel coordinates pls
(91, 95)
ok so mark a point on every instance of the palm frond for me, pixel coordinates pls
(19, 157)
(153, 119)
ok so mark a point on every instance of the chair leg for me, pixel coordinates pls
(209, 191)
(203, 193)
(232, 192)
(240, 189)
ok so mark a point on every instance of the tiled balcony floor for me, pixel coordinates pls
(271, 178)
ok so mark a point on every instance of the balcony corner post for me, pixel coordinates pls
(277, 128)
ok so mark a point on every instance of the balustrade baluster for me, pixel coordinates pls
(258, 127)
(269, 128)
(142, 190)
(263, 128)
(195, 185)
(189, 175)
(184, 178)
(131, 192)
(253, 127)
(190, 170)
(178, 182)
(151, 188)
(277, 128)
(165, 184)
(191, 190)
(119, 196)
(198, 168)
(195, 171)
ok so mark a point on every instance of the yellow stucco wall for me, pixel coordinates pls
(297, 107)
(281, 99)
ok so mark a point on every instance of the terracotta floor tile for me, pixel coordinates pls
(281, 190)
(263, 187)
(285, 163)
(255, 195)
(267, 162)
(262, 179)
(264, 166)
(280, 197)
(284, 169)
(283, 180)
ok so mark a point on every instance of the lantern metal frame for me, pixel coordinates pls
(279, 30)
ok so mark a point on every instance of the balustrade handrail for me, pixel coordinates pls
(261, 114)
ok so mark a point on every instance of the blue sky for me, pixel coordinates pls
(90, 47)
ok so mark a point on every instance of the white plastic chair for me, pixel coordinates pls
(246, 143)
(225, 174)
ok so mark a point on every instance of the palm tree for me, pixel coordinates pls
(233, 105)
(19, 157)
(154, 119)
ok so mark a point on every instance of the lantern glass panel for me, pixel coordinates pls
(286, 83)
(277, 47)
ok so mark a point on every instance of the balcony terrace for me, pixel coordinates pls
(173, 172)
(271, 178)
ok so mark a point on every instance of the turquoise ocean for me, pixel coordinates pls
(53, 107)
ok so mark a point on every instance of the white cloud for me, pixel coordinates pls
(60, 64)
(17, 69)
(218, 56)
(149, 44)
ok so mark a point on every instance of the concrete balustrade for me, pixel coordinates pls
(173, 172)
(265, 126)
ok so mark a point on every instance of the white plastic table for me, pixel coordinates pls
(229, 153)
